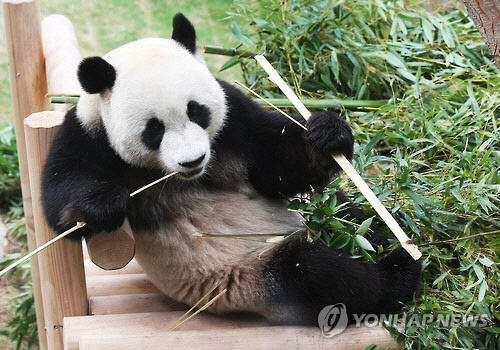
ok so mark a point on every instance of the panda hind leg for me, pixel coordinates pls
(301, 278)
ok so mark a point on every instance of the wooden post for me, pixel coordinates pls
(62, 273)
(486, 16)
(62, 56)
(28, 87)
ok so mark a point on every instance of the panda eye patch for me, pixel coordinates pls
(198, 114)
(153, 134)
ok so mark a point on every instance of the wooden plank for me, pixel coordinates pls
(119, 285)
(28, 88)
(147, 324)
(62, 275)
(133, 303)
(262, 338)
(92, 269)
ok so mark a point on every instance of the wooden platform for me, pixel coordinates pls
(128, 312)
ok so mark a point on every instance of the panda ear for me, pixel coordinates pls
(96, 75)
(184, 33)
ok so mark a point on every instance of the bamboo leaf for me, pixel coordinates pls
(363, 243)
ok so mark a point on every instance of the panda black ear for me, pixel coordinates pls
(184, 33)
(96, 75)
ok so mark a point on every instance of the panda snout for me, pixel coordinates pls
(193, 168)
(193, 163)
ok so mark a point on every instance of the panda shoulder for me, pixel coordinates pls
(76, 141)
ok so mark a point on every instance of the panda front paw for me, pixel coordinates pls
(105, 209)
(329, 133)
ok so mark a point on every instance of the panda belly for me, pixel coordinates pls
(185, 265)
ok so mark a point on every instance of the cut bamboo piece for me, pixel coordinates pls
(61, 265)
(119, 285)
(105, 326)
(262, 338)
(133, 303)
(112, 250)
(405, 241)
(28, 87)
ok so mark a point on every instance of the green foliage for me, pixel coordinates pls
(21, 327)
(322, 216)
(369, 49)
(431, 154)
(10, 189)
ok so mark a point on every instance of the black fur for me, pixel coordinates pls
(284, 159)
(153, 134)
(309, 276)
(81, 181)
(183, 32)
(198, 114)
(96, 75)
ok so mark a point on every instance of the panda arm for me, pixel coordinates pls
(79, 182)
(283, 158)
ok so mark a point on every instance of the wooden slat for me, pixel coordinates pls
(133, 303)
(262, 338)
(147, 324)
(119, 285)
(277, 337)
(92, 269)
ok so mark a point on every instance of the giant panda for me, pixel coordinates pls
(152, 107)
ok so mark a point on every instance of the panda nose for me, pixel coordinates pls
(193, 163)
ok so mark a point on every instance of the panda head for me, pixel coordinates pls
(159, 104)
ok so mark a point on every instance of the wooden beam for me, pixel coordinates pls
(112, 250)
(133, 303)
(28, 89)
(154, 323)
(119, 285)
(486, 16)
(62, 56)
(262, 338)
(61, 264)
(206, 331)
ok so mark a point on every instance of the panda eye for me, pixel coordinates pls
(153, 134)
(198, 114)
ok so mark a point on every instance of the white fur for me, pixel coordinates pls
(156, 78)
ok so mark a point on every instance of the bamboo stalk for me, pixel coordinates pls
(329, 103)
(405, 241)
(217, 50)
(280, 102)
(64, 99)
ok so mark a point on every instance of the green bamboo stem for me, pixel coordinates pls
(281, 102)
(217, 50)
(64, 99)
(327, 103)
